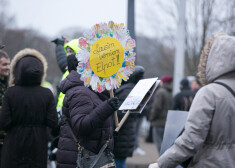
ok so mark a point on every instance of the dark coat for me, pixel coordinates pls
(124, 143)
(162, 102)
(61, 57)
(90, 117)
(27, 109)
(183, 100)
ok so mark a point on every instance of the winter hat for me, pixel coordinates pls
(167, 79)
(137, 75)
(72, 62)
(185, 83)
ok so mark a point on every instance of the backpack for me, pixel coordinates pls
(187, 101)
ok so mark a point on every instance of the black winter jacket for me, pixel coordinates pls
(61, 58)
(183, 100)
(27, 110)
(90, 117)
(124, 143)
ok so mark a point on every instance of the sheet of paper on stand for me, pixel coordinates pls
(140, 95)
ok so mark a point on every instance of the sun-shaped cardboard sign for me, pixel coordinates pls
(106, 56)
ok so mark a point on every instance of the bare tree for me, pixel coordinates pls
(203, 18)
(6, 21)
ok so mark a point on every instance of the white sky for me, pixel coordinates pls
(49, 17)
(52, 16)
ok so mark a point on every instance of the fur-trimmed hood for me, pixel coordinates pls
(217, 58)
(21, 54)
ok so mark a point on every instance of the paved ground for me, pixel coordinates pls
(138, 161)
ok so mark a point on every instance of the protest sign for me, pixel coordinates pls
(106, 57)
(136, 97)
(174, 125)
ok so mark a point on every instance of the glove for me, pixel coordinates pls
(2, 46)
(154, 165)
(59, 41)
(114, 103)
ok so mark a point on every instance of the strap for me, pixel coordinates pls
(227, 87)
(99, 155)
(71, 131)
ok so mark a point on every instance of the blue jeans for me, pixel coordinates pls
(120, 163)
(158, 136)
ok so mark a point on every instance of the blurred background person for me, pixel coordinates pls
(4, 72)
(64, 48)
(125, 142)
(195, 86)
(162, 102)
(27, 110)
(183, 100)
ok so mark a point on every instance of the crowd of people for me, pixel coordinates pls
(79, 121)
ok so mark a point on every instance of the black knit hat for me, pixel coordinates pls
(185, 83)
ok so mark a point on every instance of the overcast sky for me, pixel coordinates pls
(52, 16)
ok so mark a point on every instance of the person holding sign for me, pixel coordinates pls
(209, 137)
(105, 59)
(89, 115)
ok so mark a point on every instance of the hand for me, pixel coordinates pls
(154, 165)
(59, 41)
(114, 103)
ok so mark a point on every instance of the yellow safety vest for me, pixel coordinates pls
(73, 44)
(61, 96)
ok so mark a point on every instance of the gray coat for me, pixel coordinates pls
(209, 133)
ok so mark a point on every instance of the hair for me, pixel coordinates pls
(3, 54)
(204, 56)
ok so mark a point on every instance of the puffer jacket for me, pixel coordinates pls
(90, 117)
(209, 134)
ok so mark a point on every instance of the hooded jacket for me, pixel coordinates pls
(27, 110)
(209, 134)
(90, 117)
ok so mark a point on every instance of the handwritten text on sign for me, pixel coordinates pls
(106, 56)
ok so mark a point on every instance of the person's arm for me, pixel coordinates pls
(84, 118)
(52, 117)
(61, 56)
(196, 130)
